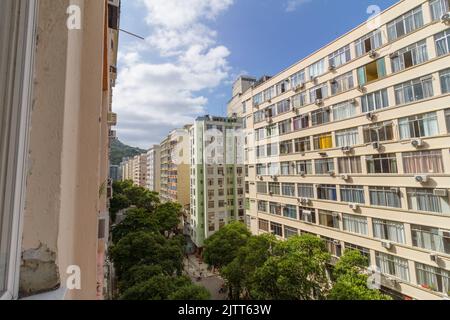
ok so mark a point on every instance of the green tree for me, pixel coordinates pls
(349, 281)
(221, 248)
(168, 217)
(139, 274)
(148, 201)
(164, 287)
(295, 271)
(120, 186)
(135, 220)
(147, 248)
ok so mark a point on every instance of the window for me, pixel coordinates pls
(285, 127)
(304, 167)
(319, 92)
(371, 41)
(261, 187)
(447, 119)
(352, 194)
(445, 81)
(378, 132)
(405, 24)
(389, 230)
(282, 87)
(261, 169)
(286, 147)
(343, 111)
(283, 106)
(371, 72)
(272, 150)
(333, 246)
(424, 125)
(350, 165)
(260, 134)
(275, 209)
(290, 232)
(342, 83)
(262, 206)
(287, 168)
(263, 225)
(423, 162)
(273, 169)
(339, 57)
(442, 41)
(375, 101)
(324, 166)
(269, 93)
(258, 99)
(302, 144)
(260, 152)
(329, 219)
(298, 78)
(392, 265)
(288, 189)
(305, 190)
(410, 56)
(274, 188)
(320, 116)
(364, 251)
(270, 111)
(272, 131)
(307, 215)
(301, 122)
(347, 138)
(382, 163)
(414, 90)
(290, 212)
(317, 69)
(433, 278)
(424, 199)
(432, 239)
(323, 141)
(327, 192)
(276, 229)
(259, 116)
(299, 100)
(385, 197)
(438, 8)
(354, 224)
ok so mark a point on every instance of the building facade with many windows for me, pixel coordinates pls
(217, 176)
(352, 144)
(154, 168)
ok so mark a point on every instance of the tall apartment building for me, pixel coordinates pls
(352, 144)
(217, 175)
(175, 165)
(126, 168)
(154, 169)
(56, 79)
(139, 165)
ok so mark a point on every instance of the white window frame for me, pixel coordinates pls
(18, 95)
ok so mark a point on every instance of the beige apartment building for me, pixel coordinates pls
(139, 164)
(57, 70)
(352, 144)
(154, 169)
(175, 167)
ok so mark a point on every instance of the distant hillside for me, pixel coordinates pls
(120, 150)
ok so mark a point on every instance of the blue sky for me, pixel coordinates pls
(194, 49)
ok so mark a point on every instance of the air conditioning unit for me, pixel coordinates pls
(302, 173)
(446, 18)
(315, 79)
(361, 88)
(323, 154)
(387, 245)
(332, 67)
(373, 54)
(417, 143)
(353, 206)
(275, 178)
(345, 177)
(393, 55)
(347, 149)
(333, 81)
(270, 193)
(299, 87)
(370, 116)
(318, 102)
(440, 192)
(376, 145)
(352, 101)
(269, 101)
(434, 257)
(304, 201)
(318, 186)
(331, 173)
(422, 178)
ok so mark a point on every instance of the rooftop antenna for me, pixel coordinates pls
(132, 34)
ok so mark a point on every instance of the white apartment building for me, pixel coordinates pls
(154, 168)
(217, 176)
(352, 144)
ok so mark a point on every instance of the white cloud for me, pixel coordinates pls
(292, 5)
(150, 97)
